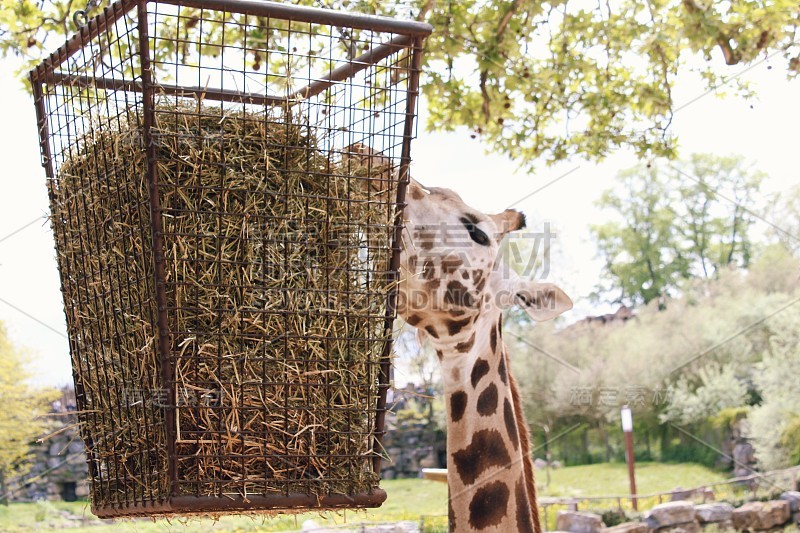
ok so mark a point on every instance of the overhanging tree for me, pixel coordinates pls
(535, 80)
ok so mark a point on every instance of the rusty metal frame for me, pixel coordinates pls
(410, 36)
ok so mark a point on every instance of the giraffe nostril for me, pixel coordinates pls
(527, 300)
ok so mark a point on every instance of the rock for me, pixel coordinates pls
(579, 522)
(707, 495)
(669, 514)
(628, 527)
(743, 459)
(428, 461)
(679, 494)
(556, 464)
(713, 512)
(82, 490)
(539, 464)
(761, 515)
(793, 497)
(727, 525)
(687, 527)
(796, 518)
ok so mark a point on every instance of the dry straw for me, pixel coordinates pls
(277, 255)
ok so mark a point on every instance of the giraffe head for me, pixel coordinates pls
(450, 268)
(451, 271)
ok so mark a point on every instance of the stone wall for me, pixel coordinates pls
(685, 517)
(59, 470)
(412, 441)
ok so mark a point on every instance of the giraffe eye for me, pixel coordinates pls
(475, 233)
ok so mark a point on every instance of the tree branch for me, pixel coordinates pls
(423, 12)
(485, 96)
(501, 28)
(732, 56)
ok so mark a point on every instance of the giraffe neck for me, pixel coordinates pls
(489, 472)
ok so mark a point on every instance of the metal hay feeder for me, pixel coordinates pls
(227, 270)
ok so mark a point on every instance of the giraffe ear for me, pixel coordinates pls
(362, 159)
(542, 301)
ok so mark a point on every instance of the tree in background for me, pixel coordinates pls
(715, 210)
(775, 422)
(21, 404)
(643, 258)
(675, 222)
(785, 211)
(719, 347)
(535, 80)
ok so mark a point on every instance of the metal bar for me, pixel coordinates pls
(77, 372)
(92, 29)
(200, 93)
(394, 264)
(316, 87)
(358, 64)
(162, 322)
(228, 503)
(41, 120)
(113, 12)
(314, 15)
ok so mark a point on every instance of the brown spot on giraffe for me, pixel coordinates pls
(458, 404)
(432, 331)
(492, 340)
(487, 401)
(479, 369)
(413, 320)
(480, 285)
(458, 294)
(454, 327)
(451, 514)
(501, 369)
(524, 521)
(450, 264)
(428, 270)
(466, 345)
(476, 276)
(511, 423)
(489, 505)
(486, 450)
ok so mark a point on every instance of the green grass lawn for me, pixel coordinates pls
(409, 499)
(612, 479)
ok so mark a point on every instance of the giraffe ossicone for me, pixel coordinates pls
(454, 287)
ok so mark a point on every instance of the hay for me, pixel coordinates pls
(275, 253)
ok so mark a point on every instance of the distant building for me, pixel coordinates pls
(622, 315)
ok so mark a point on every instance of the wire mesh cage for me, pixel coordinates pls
(227, 263)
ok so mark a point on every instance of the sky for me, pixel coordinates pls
(764, 130)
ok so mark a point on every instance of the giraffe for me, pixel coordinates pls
(454, 288)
